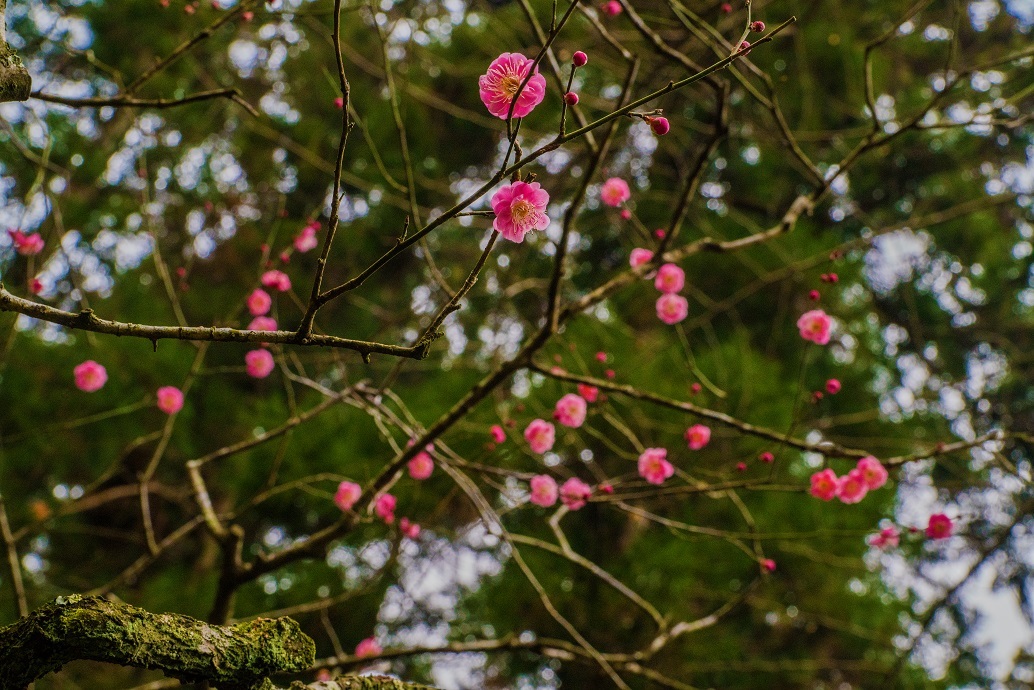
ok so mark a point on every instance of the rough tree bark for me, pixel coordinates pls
(15, 83)
(237, 657)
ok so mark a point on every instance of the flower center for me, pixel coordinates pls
(510, 84)
(521, 211)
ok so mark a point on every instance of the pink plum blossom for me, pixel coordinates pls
(574, 493)
(873, 472)
(886, 538)
(697, 436)
(590, 393)
(306, 240)
(520, 208)
(543, 490)
(570, 410)
(851, 488)
(421, 466)
(612, 8)
(939, 526)
(541, 435)
(824, 484)
(90, 376)
(347, 494)
(814, 326)
(259, 302)
(659, 125)
(409, 529)
(671, 308)
(259, 363)
(498, 434)
(639, 256)
(384, 507)
(768, 564)
(654, 466)
(832, 386)
(367, 648)
(26, 245)
(499, 85)
(670, 278)
(615, 192)
(170, 399)
(276, 280)
(579, 58)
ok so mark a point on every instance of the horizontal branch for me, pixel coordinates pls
(95, 629)
(86, 320)
(123, 101)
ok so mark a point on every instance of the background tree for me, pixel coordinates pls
(870, 160)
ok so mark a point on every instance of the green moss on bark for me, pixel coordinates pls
(72, 628)
(15, 83)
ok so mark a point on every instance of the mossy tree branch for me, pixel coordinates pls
(239, 656)
(15, 83)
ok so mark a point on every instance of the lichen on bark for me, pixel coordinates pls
(15, 83)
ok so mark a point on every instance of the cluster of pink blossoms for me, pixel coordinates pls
(868, 475)
(938, 526)
(671, 307)
(306, 240)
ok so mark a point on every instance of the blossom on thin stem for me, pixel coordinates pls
(544, 490)
(90, 376)
(574, 493)
(520, 208)
(654, 466)
(499, 85)
(615, 192)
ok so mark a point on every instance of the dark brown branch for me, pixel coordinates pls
(86, 320)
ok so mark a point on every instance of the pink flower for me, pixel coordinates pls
(259, 302)
(347, 494)
(520, 208)
(170, 399)
(626, 214)
(339, 102)
(90, 376)
(367, 648)
(824, 484)
(574, 493)
(670, 278)
(541, 435)
(276, 280)
(421, 466)
(833, 386)
(639, 256)
(814, 326)
(571, 98)
(601, 356)
(499, 85)
(612, 8)
(26, 245)
(654, 466)
(259, 363)
(590, 393)
(851, 488)
(697, 436)
(874, 474)
(757, 27)
(672, 308)
(36, 286)
(887, 538)
(306, 240)
(384, 506)
(768, 564)
(409, 529)
(498, 434)
(262, 323)
(543, 490)
(615, 192)
(570, 410)
(940, 526)
(766, 457)
(579, 58)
